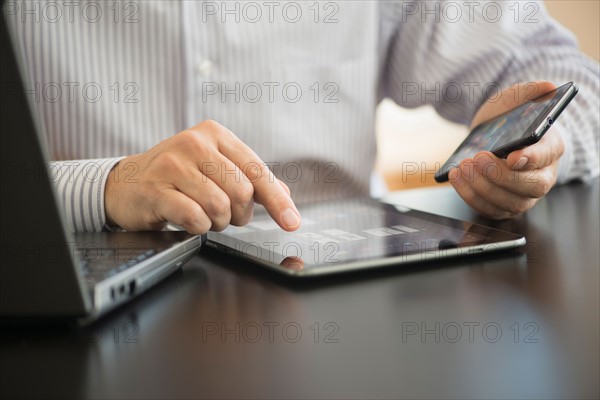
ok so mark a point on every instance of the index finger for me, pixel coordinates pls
(267, 189)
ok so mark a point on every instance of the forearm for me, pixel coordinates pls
(553, 55)
(455, 67)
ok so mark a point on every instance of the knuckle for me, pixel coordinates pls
(213, 127)
(196, 224)
(190, 217)
(191, 140)
(244, 193)
(547, 185)
(521, 209)
(255, 171)
(197, 229)
(540, 188)
(216, 131)
(222, 206)
(200, 150)
(278, 200)
(243, 218)
(187, 137)
(211, 124)
(283, 184)
(518, 208)
(149, 219)
(167, 161)
(534, 162)
(218, 227)
(220, 212)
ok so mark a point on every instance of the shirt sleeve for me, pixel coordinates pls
(454, 60)
(79, 186)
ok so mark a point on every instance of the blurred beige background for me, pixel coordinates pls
(422, 135)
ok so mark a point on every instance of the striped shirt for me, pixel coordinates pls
(298, 82)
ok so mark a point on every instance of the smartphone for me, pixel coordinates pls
(513, 130)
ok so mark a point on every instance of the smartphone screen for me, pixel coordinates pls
(510, 131)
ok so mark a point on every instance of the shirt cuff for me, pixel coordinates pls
(80, 189)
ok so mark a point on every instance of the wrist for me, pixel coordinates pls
(110, 194)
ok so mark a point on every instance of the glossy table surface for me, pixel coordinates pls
(521, 324)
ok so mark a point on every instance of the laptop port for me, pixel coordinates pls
(113, 294)
(131, 288)
(121, 289)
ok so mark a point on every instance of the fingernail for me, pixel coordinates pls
(521, 163)
(290, 218)
(483, 161)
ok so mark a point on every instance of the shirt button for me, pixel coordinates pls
(204, 67)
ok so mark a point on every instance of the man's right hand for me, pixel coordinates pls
(202, 179)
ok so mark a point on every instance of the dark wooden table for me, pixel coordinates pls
(516, 325)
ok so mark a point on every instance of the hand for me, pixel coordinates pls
(505, 188)
(203, 178)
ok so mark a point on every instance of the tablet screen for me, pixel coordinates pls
(364, 232)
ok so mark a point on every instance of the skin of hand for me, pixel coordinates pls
(203, 178)
(506, 188)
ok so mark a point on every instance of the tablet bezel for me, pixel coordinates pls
(494, 240)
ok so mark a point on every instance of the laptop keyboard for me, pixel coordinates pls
(99, 264)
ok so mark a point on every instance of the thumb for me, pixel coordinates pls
(539, 155)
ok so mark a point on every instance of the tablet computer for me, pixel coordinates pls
(352, 234)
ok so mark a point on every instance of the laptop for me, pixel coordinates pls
(45, 271)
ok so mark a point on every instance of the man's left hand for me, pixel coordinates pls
(505, 188)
